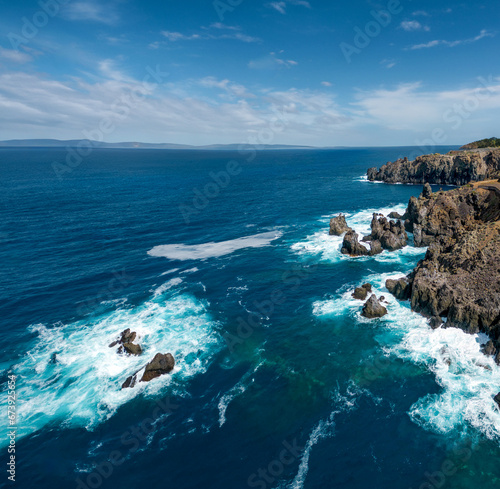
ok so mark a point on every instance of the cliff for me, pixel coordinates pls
(454, 168)
(459, 278)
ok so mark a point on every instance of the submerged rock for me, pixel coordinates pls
(160, 365)
(436, 322)
(338, 225)
(497, 400)
(373, 308)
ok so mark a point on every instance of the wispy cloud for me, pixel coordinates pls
(484, 33)
(15, 55)
(90, 10)
(214, 31)
(272, 61)
(326, 83)
(281, 6)
(421, 13)
(414, 25)
(388, 63)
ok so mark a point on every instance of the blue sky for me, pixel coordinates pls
(309, 72)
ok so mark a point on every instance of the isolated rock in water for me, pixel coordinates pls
(395, 215)
(375, 247)
(391, 234)
(351, 245)
(338, 225)
(368, 287)
(125, 342)
(497, 399)
(132, 348)
(427, 192)
(360, 293)
(373, 308)
(160, 365)
(399, 288)
(436, 322)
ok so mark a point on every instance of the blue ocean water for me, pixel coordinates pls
(279, 382)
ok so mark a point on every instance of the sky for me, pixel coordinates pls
(303, 72)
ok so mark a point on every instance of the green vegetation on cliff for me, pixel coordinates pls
(484, 143)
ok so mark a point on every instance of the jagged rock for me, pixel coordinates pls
(435, 322)
(497, 399)
(455, 168)
(126, 343)
(375, 247)
(338, 225)
(399, 288)
(489, 348)
(160, 365)
(427, 192)
(373, 308)
(132, 348)
(395, 215)
(361, 293)
(351, 245)
(391, 234)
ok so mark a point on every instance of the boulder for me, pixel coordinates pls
(395, 215)
(427, 191)
(360, 293)
(351, 246)
(391, 234)
(375, 247)
(373, 308)
(399, 288)
(160, 365)
(126, 343)
(368, 287)
(338, 225)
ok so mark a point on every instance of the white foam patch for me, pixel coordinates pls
(212, 249)
(83, 387)
(327, 248)
(469, 379)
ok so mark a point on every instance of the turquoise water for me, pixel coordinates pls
(279, 381)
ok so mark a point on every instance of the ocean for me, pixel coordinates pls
(224, 260)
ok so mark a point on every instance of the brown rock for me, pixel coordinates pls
(338, 225)
(373, 308)
(399, 288)
(160, 365)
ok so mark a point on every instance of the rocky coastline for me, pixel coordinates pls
(454, 168)
(457, 284)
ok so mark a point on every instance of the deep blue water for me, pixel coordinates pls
(279, 382)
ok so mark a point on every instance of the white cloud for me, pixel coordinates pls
(231, 33)
(271, 62)
(388, 63)
(90, 10)
(484, 33)
(281, 6)
(177, 36)
(414, 25)
(326, 84)
(14, 55)
(422, 13)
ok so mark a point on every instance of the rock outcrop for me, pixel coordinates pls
(126, 342)
(455, 168)
(497, 400)
(338, 226)
(373, 308)
(399, 288)
(391, 234)
(351, 245)
(361, 293)
(160, 365)
(459, 276)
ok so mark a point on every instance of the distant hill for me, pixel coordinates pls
(484, 143)
(74, 143)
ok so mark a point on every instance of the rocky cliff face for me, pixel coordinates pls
(455, 168)
(460, 276)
